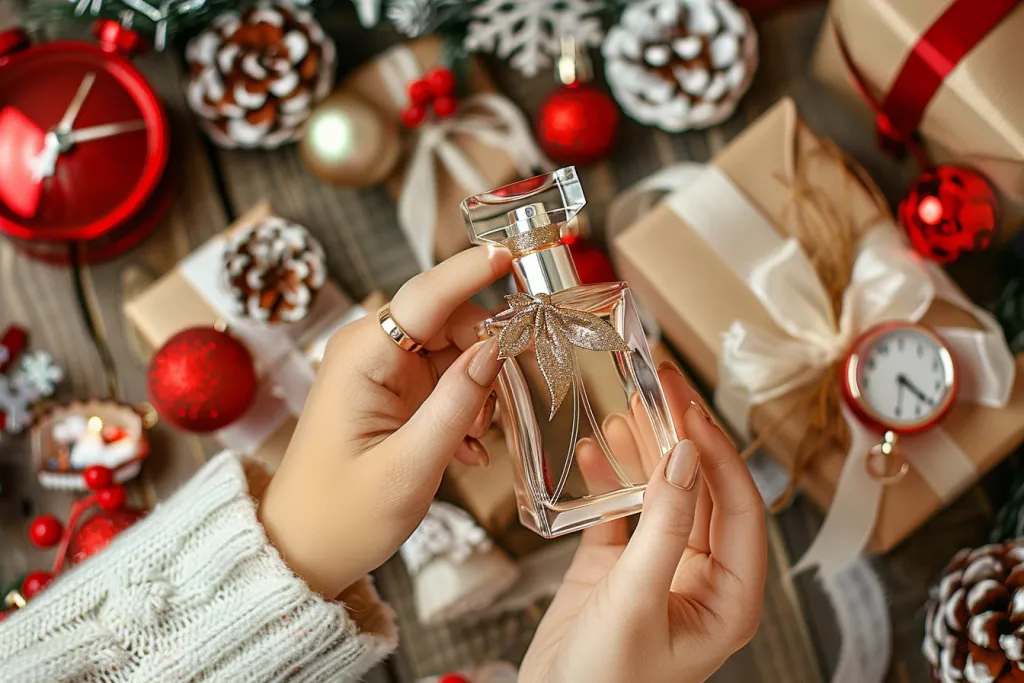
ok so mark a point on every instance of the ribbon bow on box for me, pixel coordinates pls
(489, 117)
(756, 366)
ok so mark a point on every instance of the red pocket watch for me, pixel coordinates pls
(84, 145)
(901, 379)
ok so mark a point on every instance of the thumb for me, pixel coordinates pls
(434, 432)
(653, 553)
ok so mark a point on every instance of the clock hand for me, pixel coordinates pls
(902, 379)
(105, 130)
(899, 398)
(68, 120)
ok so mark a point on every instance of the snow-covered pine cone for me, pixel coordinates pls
(974, 631)
(414, 18)
(273, 271)
(255, 76)
(680, 64)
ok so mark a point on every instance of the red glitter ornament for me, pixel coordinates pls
(950, 210)
(577, 124)
(35, 582)
(201, 380)
(45, 531)
(96, 533)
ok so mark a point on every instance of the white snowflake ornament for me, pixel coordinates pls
(39, 371)
(530, 31)
(680, 64)
(368, 12)
(17, 397)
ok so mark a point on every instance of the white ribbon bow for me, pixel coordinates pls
(888, 282)
(489, 117)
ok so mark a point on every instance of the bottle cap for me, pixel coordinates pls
(526, 215)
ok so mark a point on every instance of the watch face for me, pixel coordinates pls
(98, 142)
(901, 377)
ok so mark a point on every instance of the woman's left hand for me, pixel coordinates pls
(381, 424)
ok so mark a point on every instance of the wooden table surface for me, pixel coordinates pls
(797, 641)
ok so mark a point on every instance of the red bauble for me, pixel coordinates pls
(577, 124)
(35, 582)
(95, 533)
(948, 211)
(45, 531)
(453, 678)
(592, 263)
(97, 477)
(201, 380)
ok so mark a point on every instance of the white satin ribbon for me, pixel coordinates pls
(278, 350)
(756, 365)
(489, 117)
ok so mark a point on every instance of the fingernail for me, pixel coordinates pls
(484, 365)
(683, 464)
(669, 365)
(701, 409)
(483, 458)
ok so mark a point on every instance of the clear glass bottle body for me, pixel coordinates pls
(591, 461)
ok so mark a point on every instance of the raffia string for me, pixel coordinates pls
(829, 236)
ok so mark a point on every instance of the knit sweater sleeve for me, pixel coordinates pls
(195, 592)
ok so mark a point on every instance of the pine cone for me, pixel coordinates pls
(974, 632)
(273, 271)
(254, 78)
(680, 64)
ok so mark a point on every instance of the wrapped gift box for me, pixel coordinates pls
(696, 297)
(185, 298)
(977, 115)
(383, 83)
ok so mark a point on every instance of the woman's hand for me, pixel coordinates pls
(684, 593)
(381, 424)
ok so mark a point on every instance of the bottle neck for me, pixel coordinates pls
(545, 271)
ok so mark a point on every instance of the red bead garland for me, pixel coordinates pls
(45, 531)
(201, 380)
(35, 582)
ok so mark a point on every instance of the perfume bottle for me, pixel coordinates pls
(581, 404)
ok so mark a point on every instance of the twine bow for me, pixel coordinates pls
(554, 331)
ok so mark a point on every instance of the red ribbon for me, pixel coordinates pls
(938, 51)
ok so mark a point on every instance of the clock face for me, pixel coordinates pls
(901, 377)
(110, 153)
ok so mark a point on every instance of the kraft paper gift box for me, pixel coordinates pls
(976, 116)
(486, 144)
(188, 296)
(697, 298)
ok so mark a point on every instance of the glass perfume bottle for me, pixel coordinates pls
(581, 404)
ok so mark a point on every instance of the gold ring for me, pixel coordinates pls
(397, 334)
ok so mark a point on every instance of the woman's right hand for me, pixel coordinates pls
(685, 592)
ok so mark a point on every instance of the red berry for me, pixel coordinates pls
(97, 477)
(35, 582)
(441, 81)
(419, 92)
(445, 106)
(110, 498)
(413, 115)
(45, 531)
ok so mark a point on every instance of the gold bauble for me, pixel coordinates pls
(347, 142)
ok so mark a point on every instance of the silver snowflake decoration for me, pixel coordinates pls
(16, 399)
(530, 31)
(414, 18)
(368, 12)
(39, 371)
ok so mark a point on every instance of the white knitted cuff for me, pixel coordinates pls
(195, 592)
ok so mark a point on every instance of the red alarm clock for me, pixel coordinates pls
(84, 145)
(901, 379)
